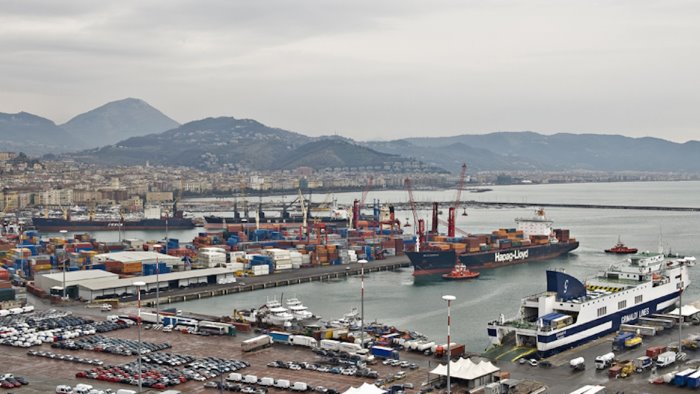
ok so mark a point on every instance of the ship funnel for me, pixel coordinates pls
(566, 286)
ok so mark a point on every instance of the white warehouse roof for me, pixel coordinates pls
(97, 285)
(135, 256)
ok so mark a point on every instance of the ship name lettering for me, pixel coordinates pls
(510, 256)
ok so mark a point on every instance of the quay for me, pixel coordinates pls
(284, 278)
(272, 206)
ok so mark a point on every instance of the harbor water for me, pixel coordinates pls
(397, 298)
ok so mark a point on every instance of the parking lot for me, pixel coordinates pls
(44, 373)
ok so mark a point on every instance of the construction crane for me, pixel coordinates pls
(460, 186)
(418, 225)
(368, 186)
(304, 227)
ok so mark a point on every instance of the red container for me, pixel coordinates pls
(4, 274)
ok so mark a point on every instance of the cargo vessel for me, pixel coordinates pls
(534, 239)
(58, 224)
(571, 312)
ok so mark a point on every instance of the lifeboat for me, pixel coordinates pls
(460, 271)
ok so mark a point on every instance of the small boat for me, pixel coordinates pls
(460, 271)
(620, 248)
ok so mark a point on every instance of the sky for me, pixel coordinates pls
(365, 69)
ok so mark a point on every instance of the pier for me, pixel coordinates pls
(284, 278)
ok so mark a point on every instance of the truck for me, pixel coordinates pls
(693, 380)
(383, 352)
(665, 359)
(456, 350)
(301, 340)
(281, 337)
(604, 361)
(654, 351)
(299, 386)
(619, 341)
(348, 347)
(642, 363)
(681, 378)
(578, 364)
(256, 343)
(328, 344)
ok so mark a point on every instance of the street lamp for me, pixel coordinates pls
(157, 291)
(362, 302)
(449, 299)
(138, 286)
(63, 232)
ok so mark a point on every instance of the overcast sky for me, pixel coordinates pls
(365, 69)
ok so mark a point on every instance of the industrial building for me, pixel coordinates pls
(90, 285)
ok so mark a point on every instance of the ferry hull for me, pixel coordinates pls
(442, 262)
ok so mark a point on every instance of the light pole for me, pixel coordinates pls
(63, 232)
(362, 302)
(449, 299)
(138, 286)
(157, 291)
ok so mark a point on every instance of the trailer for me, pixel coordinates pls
(693, 380)
(642, 363)
(656, 321)
(280, 337)
(384, 352)
(301, 340)
(329, 344)
(256, 343)
(680, 379)
(654, 351)
(619, 341)
(578, 364)
(648, 331)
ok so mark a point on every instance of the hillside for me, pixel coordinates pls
(117, 121)
(34, 135)
(506, 151)
(215, 143)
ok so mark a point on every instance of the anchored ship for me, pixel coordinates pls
(570, 312)
(534, 239)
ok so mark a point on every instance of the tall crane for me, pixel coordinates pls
(418, 225)
(460, 186)
(368, 186)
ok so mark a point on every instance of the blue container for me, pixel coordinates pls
(98, 267)
(73, 268)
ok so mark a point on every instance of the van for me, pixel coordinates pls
(283, 384)
(112, 318)
(64, 389)
(82, 388)
(250, 379)
(665, 359)
(234, 377)
(266, 381)
(106, 307)
(300, 386)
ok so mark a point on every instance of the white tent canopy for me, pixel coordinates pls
(466, 369)
(686, 311)
(366, 388)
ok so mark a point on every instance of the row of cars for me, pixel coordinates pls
(153, 376)
(10, 381)
(337, 370)
(65, 357)
(118, 346)
(284, 384)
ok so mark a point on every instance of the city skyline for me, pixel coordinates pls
(364, 70)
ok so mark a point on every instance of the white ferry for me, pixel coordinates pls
(571, 313)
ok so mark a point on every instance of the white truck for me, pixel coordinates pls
(258, 342)
(578, 364)
(299, 386)
(665, 359)
(329, 344)
(604, 361)
(301, 340)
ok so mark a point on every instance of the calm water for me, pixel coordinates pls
(396, 298)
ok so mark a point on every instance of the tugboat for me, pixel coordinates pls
(620, 248)
(460, 271)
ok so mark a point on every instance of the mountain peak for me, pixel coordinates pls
(118, 120)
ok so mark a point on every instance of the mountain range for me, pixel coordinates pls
(130, 131)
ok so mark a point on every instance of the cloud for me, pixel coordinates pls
(364, 68)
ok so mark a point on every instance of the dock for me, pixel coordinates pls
(285, 278)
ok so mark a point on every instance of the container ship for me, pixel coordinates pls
(152, 220)
(570, 312)
(534, 239)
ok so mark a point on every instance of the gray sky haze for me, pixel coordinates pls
(365, 69)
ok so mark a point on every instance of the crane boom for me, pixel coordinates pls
(460, 185)
(365, 191)
(412, 202)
